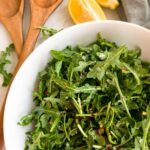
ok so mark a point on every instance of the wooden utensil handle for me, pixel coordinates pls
(13, 25)
(38, 17)
(15, 31)
(1, 129)
(2, 105)
(30, 41)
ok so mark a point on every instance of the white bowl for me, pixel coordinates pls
(19, 101)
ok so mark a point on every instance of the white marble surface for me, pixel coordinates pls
(60, 19)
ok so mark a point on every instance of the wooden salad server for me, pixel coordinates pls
(40, 11)
(11, 13)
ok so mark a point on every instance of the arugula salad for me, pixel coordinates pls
(94, 97)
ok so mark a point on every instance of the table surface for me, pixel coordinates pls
(60, 19)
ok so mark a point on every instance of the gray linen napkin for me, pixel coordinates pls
(137, 11)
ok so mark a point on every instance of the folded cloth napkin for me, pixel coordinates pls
(137, 11)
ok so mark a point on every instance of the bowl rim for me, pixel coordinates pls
(132, 25)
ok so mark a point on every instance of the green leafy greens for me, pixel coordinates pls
(3, 62)
(47, 32)
(94, 97)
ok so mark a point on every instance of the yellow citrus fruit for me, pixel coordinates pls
(85, 10)
(112, 4)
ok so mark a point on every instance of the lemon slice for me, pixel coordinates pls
(112, 4)
(85, 10)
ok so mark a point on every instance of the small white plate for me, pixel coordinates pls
(19, 101)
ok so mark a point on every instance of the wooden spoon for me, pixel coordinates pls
(11, 12)
(40, 10)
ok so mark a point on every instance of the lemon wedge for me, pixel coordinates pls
(112, 4)
(85, 10)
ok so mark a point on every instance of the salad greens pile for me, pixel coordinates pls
(3, 62)
(94, 97)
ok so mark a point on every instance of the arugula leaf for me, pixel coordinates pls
(4, 61)
(47, 32)
(146, 128)
(99, 70)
